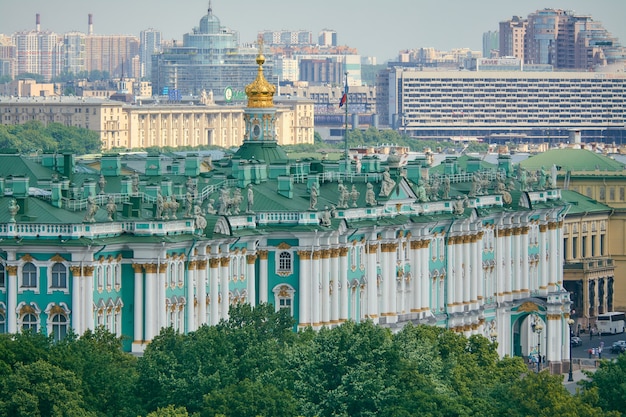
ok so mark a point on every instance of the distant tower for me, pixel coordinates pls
(37, 23)
(259, 141)
(90, 24)
(149, 44)
(327, 37)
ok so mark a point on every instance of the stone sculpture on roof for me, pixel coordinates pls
(387, 184)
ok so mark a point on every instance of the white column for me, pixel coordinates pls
(251, 279)
(225, 285)
(151, 312)
(372, 282)
(525, 264)
(315, 289)
(12, 299)
(304, 298)
(554, 256)
(191, 278)
(263, 284)
(415, 303)
(162, 295)
(508, 285)
(88, 318)
(475, 266)
(424, 275)
(543, 259)
(77, 305)
(452, 274)
(499, 265)
(344, 284)
(516, 262)
(214, 279)
(467, 267)
(138, 313)
(458, 274)
(388, 268)
(335, 277)
(201, 292)
(325, 292)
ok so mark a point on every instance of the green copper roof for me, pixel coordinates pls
(582, 204)
(572, 160)
(267, 151)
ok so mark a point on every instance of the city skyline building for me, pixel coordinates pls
(150, 43)
(210, 60)
(562, 39)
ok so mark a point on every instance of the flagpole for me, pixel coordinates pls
(346, 131)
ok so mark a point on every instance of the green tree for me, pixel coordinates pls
(543, 395)
(608, 382)
(108, 375)
(40, 389)
(345, 371)
(249, 398)
(169, 411)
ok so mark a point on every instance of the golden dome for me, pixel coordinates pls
(260, 92)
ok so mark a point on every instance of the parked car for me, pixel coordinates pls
(619, 346)
(575, 341)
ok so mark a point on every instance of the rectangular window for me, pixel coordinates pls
(602, 243)
(565, 251)
(593, 245)
(574, 247)
(584, 247)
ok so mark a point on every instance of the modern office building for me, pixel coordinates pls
(150, 44)
(504, 106)
(286, 37)
(491, 44)
(209, 60)
(175, 242)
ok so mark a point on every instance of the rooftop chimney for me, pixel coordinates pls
(90, 25)
(37, 23)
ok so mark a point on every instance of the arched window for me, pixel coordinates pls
(3, 323)
(59, 276)
(29, 275)
(2, 276)
(59, 327)
(30, 322)
(283, 296)
(284, 262)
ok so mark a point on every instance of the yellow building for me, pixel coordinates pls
(593, 236)
(131, 126)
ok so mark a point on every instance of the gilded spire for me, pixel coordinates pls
(260, 92)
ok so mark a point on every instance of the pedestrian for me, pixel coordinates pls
(599, 353)
(590, 351)
(590, 334)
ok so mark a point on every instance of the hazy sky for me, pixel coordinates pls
(375, 28)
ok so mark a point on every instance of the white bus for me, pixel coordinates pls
(611, 323)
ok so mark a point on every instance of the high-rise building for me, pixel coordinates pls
(286, 37)
(327, 37)
(512, 34)
(210, 60)
(491, 44)
(75, 52)
(7, 57)
(38, 52)
(150, 44)
(562, 39)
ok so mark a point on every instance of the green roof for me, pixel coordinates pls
(572, 160)
(582, 204)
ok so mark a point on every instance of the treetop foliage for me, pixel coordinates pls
(253, 364)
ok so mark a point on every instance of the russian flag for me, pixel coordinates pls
(344, 97)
